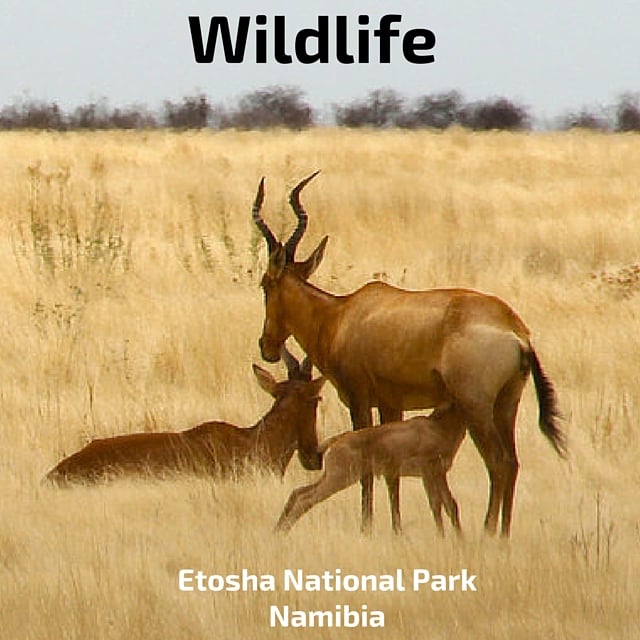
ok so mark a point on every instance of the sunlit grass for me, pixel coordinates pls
(130, 271)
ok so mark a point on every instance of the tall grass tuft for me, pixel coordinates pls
(64, 236)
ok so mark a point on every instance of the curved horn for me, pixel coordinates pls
(272, 243)
(293, 366)
(294, 201)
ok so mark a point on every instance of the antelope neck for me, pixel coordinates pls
(309, 313)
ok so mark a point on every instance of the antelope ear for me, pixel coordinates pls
(265, 380)
(277, 261)
(306, 268)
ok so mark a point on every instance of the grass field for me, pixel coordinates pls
(129, 285)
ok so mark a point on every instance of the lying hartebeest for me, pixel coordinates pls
(395, 349)
(421, 446)
(215, 448)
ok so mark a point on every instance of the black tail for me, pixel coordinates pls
(548, 403)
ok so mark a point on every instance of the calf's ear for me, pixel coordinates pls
(265, 380)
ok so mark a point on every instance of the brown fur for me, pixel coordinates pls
(421, 446)
(214, 448)
(395, 350)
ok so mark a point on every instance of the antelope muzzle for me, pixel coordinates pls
(269, 349)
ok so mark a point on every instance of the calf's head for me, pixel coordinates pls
(296, 400)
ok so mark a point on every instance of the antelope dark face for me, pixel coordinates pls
(282, 267)
(274, 330)
(296, 402)
(306, 396)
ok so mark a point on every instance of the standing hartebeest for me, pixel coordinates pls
(423, 446)
(214, 448)
(398, 350)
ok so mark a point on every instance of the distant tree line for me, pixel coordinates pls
(284, 106)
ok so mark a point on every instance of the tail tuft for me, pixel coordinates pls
(548, 403)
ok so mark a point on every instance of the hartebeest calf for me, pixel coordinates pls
(421, 446)
(399, 350)
(214, 448)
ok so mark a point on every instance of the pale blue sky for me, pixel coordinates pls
(549, 55)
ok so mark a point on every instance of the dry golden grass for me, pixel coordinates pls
(130, 270)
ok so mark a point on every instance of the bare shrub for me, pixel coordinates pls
(436, 111)
(193, 112)
(495, 113)
(274, 106)
(98, 115)
(586, 118)
(132, 117)
(94, 115)
(32, 114)
(628, 112)
(381, 108)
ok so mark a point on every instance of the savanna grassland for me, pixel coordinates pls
(129, 273)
